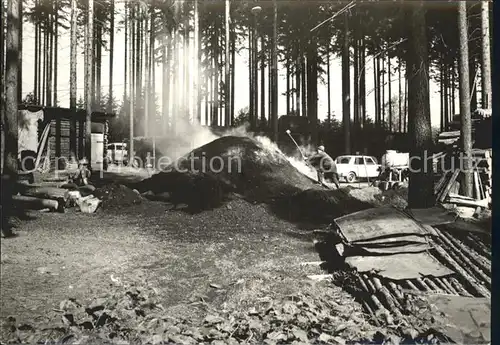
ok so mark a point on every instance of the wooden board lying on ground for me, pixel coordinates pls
(377, 223)
(400, 266)
(467, 319)
(432, 216)
(405, 248)
(393, 241)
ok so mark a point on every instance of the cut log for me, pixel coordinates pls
(458, 254)
(478, 288)
(32, 203)
(45, 192)
(459, 287)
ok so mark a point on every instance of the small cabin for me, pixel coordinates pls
(49, 129)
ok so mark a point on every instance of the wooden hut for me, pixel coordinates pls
(61, 140)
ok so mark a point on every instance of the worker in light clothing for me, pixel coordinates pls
(323, 163)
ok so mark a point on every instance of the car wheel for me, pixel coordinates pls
(351, 177)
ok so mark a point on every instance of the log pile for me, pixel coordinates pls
(56, 197)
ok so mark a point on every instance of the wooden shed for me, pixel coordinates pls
(60, 137)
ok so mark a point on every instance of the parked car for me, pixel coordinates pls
(353, 167)
(117, 153)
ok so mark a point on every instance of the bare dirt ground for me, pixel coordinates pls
(228, 259)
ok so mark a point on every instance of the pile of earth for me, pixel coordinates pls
(376, 197)
(318, 206)
(253, 168)
(199, 191)
(116, 195)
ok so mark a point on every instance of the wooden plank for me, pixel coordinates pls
(448, 187)
(441, 182)
(463, 202)
(477, 190)
(432, 216)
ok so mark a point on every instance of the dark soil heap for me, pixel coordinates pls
(318, 206)
(116, 196)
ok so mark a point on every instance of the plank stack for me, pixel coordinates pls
(447, 189)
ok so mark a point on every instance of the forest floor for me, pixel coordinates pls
(235, 262)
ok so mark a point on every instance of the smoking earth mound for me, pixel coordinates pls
(253, 168)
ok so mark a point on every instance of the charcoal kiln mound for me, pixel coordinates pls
(231, 164)
(116, 196)
(253, 168)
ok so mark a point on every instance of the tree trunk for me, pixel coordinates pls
(11, 94)
(376, 84)
(227, 68)
(185, 48)
(43, 49)
(133, 85)
(263, 82)
(233, 65)
(73, 80)
(111, 51)
(486, 57)
(56, 31)
(287, 86)
(197, 72)
(312, 90)
(382, 93)
(421, 186)
(137, 57)
(20, 67)
(465, 132)
(356, 91)
(166, 83)
(328, 92)
(2, 91)
(274, 66)
(297, 86)
(125, 54)
(400, 96)
(255, 76)
(35, 69)
(88, 86)
(362, 82)
(446, 97)
(39, 96)
(390, 92)
(98, 64)
(147, 74)
(453, 83)
(304, 85)
(250, 77)
(48, 62)
(442, 98)
(405, 113)
(346, 92)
